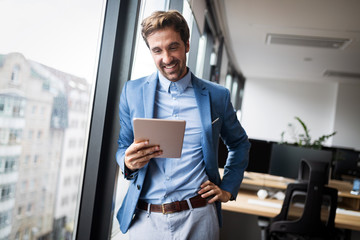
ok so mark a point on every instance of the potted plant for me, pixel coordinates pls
(304, 139)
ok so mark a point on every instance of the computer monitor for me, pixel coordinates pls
(346, 163)
(285, 159)
(259, 156)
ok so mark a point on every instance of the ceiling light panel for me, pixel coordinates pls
(339, 74)
(307, 41)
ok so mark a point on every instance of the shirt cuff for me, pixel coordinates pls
(129, 174)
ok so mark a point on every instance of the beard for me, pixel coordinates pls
(179, 70)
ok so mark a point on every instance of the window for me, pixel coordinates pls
(26, 235)
(2, 104)
(19, 211)
(143, 64)
(8, 164)
(71, 143)
(37, 76)
(29, 208)
(67, 181)
(201, 56)
(15, 74)
(34, 109)
(6, 191)
(234, 92)
(5, 217)
(69, 162)
(36, 159)
(39, 134)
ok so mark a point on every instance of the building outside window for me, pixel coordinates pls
(45, 65)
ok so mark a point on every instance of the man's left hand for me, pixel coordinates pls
(213, 192)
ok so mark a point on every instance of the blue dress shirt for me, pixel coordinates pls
(175, 179)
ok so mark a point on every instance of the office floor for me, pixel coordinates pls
(239, 226)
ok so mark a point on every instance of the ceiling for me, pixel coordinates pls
(246, 24)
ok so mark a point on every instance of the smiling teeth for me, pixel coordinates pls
(168, 67)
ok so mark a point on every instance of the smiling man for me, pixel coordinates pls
(177, 198)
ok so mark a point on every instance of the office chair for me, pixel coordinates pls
(313, 176)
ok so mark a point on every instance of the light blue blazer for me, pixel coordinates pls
(218, 119)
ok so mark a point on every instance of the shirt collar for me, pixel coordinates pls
(181, 84)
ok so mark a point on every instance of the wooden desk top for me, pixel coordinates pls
(248, 202)
(266, 180)
(270, 181)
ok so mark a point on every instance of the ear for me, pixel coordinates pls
(187, 46)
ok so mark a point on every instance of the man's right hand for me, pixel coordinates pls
(138, 154)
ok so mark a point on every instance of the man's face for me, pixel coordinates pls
(169, 53)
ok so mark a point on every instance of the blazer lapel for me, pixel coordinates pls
(148, 93)
(203, 100)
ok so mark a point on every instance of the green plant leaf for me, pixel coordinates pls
(304, 139)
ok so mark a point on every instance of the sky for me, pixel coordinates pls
(62, 34)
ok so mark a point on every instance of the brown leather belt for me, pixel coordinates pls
(173, 207)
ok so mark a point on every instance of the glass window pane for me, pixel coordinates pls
(234, 93)
(142, 65)
(48, 62)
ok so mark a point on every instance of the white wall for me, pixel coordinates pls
(269, 105)
(347, 119)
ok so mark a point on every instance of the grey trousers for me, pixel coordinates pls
(197, 224)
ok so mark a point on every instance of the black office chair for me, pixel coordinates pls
(302, 215)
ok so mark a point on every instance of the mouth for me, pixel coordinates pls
(170, 67)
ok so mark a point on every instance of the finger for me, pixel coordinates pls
(146, 158)
(146, 151)
(211, 196)
(134, 152)
(208, 193)
(136, 146)
(139, 162)
(213, 199)
(204, 184)
(205, 189)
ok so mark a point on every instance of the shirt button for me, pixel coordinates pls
(138, 187)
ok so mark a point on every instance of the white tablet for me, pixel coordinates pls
(168, 134)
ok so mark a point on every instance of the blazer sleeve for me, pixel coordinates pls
(126, 136)
(236, 140)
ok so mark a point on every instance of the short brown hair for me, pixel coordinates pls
(162, 19)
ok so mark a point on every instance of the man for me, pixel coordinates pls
(190, 186)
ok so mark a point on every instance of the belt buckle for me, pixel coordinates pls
(163, 209)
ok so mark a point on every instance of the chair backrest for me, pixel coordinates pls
(307, 217)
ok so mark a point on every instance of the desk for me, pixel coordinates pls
(248, 202)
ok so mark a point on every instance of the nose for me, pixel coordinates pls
(167, 58)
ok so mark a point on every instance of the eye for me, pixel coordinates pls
(156, 50)
(173, 47)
